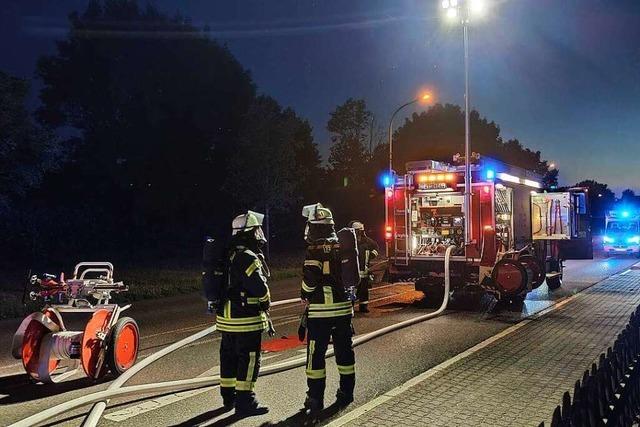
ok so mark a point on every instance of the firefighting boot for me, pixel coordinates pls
(228, 397)
(312, 405)
(248, 406)
(344, 398)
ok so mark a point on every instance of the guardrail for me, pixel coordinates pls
(609, 393)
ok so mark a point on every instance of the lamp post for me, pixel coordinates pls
(423, 98)
(462, 10)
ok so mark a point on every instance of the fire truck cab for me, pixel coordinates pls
(424, 215)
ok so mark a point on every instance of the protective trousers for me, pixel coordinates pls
(239, 365)
(362, 292)
(320, 332)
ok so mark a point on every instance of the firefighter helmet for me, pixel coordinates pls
(246, 222)
(317, 214)
(356, 225)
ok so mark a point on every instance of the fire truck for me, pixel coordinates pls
(519, 234)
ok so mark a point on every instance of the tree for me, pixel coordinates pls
(629, 198)
(158, 108)
(349, 126)
(275, 164)
(26, 150)
(550, 179)
(438, 133)
(27, 153)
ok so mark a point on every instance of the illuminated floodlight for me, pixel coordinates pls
(490, 174)
(453, 3)
(477, 7)
(452, 13)
(445, 4)
(625, 214)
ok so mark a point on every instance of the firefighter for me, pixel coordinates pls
(242, 315)
(367, 250)
(329, 308)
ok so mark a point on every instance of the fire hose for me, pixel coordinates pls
(195, 383)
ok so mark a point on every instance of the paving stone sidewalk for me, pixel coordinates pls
(519, 379)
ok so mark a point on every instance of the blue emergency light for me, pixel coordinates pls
(490, 174)
(385, 179)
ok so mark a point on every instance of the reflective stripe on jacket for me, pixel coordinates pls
(244, 308)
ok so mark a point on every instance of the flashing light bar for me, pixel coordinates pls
(510, 178)
(435, 177)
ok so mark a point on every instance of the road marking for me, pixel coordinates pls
(361, 410)
(162, 401)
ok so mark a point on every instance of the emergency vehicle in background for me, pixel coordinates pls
(520, 234)
(622, 233)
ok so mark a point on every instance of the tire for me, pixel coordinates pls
(534, 268)
(433, 293)
(554, 283)
(510, 277)
(123, 348)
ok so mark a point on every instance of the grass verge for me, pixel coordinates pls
(143, 284)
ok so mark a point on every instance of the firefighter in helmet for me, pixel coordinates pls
(242, 315)
(330, 309)
(367, 250)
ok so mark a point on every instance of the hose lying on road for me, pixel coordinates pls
(194, 383)
(97, 410)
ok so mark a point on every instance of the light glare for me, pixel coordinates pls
(452, 13)
(445, 4)
(477, 7)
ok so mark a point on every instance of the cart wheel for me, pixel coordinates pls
(92, 353)
(123, 345)
(554, 282)
(534, 268)
(509, 276)
(31, 343)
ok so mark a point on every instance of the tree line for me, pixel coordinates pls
(150, 135)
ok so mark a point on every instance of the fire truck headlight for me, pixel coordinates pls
(634, 239)
(608, 239)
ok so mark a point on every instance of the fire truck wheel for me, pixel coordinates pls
(509, 276)
(433, 293)
(554, 282)
(123, 345)
(534, 268)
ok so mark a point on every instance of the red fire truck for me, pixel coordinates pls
(519, 234)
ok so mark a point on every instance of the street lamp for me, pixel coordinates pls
(462, 11)
(424, 98)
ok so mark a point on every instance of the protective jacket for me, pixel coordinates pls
(367, 251)
(247, 298)
(322, 284)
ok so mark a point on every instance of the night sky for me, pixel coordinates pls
(562, 76)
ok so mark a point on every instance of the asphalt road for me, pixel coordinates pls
(382, 364)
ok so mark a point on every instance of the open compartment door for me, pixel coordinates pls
(580, 245)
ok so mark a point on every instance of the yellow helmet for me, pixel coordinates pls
(317, 214)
